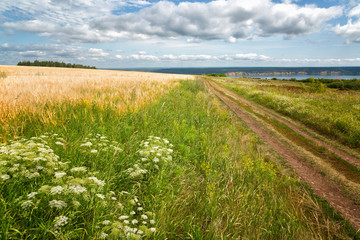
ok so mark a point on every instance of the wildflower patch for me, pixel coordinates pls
(60, 197)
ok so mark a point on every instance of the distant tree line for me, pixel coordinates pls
(53, 64)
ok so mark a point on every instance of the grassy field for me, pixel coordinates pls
(90, 154)
(334, 113)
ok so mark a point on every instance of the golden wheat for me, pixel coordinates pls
(29, 89)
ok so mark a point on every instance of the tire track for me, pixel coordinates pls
(349, 158)
(322, 186)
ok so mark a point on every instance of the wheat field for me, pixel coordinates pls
(29, 89)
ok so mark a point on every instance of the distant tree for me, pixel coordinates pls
(53, 64)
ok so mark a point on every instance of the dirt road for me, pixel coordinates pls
(321, 185)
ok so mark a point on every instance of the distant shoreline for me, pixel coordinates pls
(258, 71)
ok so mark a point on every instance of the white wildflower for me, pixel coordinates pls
(31, 195)
(152, 229)
(134, 221)
(140, 208)
(56, 190)
(31, 175)
(59, 143)
(132, 213)
(140, 232)
(144, 222)
(169, 150)
(77, 189)
(60, 221)
(100, 196)
(57, 204)
(126, 221)
(94, 151)
(123, 217)
(113, 198)
(27, 204)
(156, 160)
(106, 222)
(78, 169)
(5, 177)
(97, 181)
(152, 221)
(87, 144)
(103, 235)
(59, 174)
(144, 216)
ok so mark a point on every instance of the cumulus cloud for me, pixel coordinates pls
(226, 20)
(104, 21)
(351, 30)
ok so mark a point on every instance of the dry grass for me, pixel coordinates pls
(28, 89)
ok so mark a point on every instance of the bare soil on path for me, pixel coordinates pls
(321, 185)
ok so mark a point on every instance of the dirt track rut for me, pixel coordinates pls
(322, 186)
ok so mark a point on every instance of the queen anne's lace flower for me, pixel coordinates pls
(60, 221)
(97, 181)
(60, 174)
(27, 204)
(100, 196)
(77, 189)
(31, 195)
(56, 190)
(57, 204)
(78, 169)
(5, 177)
(103, 235)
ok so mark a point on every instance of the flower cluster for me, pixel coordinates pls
(153, 153)
(67, 192)
(135, 222)
(27, 159)
(97, 143)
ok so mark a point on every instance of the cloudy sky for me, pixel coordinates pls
(141, 33)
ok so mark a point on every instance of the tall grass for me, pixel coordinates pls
(333, 112)
(217, 181)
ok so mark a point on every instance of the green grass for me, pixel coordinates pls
(331, 112)
(219, 183)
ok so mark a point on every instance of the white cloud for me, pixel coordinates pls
(228, 20)
(351, 30)
(55, 52)
(95, 52)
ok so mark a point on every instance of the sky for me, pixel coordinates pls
(160, 34)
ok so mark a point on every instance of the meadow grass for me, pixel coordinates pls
(334, 113)
(180, 168)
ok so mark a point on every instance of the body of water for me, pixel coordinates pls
(301, 77)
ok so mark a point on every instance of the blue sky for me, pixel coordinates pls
(141, 33)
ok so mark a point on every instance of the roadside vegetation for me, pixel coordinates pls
(175, 165)
(332, 112)
(351, 84)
